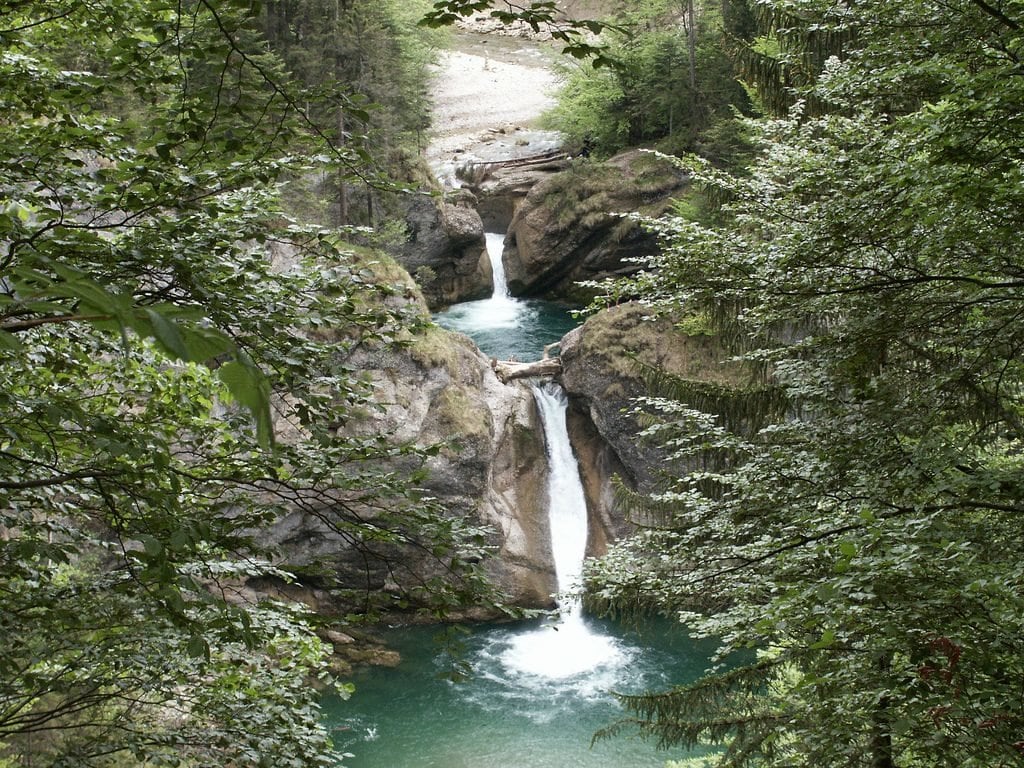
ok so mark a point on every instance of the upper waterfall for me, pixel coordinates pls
(505, 327)
(495, 245)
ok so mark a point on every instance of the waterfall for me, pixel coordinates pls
(568, 648)
(495, 246)
(503, 326)
(567, 505)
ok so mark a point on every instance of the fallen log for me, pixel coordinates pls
(547, 156)
(508, 370)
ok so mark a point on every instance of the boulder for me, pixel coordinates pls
(445, 249)
(492, 468)
(569, 228)
(500, 188)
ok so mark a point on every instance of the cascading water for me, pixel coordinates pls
(536, 691)
(568, 648)
(567, 504)
(495, 245)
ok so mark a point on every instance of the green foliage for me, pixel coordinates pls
(370, 57)
(160, 322)
(363, 68)
(589, 110)
(651, 96)
(866, 538)
(781, 62)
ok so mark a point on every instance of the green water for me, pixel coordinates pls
(507, 328)
(503, 715)
(504, 327)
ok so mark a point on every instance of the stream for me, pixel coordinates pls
(529, 694)
(533, 693)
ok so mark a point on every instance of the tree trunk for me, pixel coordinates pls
(881, 734)
(691, 45)
(342, 192)
(508, 370)
(339, 72)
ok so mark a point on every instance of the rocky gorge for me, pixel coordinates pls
(561, 227)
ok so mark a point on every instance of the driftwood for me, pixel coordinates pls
(478, 172)
(540, 158)
(510, 369)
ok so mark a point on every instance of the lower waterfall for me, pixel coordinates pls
(567, 505)
(568, 647)
(528, 694)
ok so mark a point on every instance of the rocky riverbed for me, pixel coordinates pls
(488, 94)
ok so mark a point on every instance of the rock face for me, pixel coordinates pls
(600, 372)
(500, 188)
(566, 230)
(491, 470)
(445, 249)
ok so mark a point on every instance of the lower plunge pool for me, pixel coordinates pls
(528, 695)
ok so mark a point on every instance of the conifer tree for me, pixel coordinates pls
(856, 539)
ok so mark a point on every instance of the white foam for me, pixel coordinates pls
(565, 650)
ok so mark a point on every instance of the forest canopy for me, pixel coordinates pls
(859, 533)
(172, 376)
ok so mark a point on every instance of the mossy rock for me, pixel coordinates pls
(435, 347)
(628, 337)
(574, 226)
(463, 418)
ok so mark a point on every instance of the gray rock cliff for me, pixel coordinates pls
(490, 469)
(601, 372)
(445, 249)
(500, 188)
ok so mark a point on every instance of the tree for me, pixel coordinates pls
(781, 51)
(858, 534)
(366, 64)
(671, 81)
(172, 379)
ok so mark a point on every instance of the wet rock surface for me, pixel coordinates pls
(490, 469)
